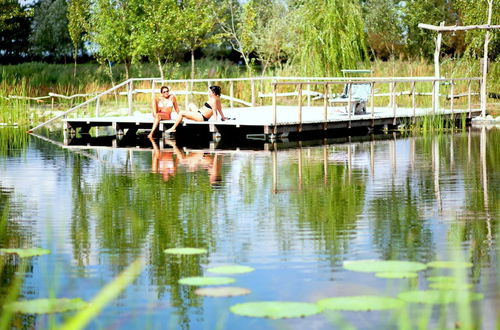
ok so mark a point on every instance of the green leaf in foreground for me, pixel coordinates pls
(45, 306)
(450, 286)
(384, 266)
(105, 296)
(236, 269)
(275, 309)
(397, 275)
(26, 253)
(441, 279)
(225, 291)
(360, 303)
(439, 296)
(202, 280)
(186, 251)
(450, 264)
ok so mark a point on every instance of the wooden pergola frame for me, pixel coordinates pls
(441, 28)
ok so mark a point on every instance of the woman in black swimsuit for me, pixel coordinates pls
(205, 112)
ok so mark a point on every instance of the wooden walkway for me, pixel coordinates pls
(257, 122)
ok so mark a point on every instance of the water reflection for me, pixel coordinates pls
(293, 210)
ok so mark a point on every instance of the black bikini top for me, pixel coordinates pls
(208, 105)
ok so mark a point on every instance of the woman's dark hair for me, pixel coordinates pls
(215, 90)
(164, 87)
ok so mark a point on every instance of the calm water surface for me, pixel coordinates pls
(294, 212)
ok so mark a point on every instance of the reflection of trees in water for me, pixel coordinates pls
(139, 214)
(331, 199)
(14, 234)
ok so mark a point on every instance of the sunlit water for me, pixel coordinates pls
(294, 214)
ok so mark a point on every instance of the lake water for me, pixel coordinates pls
(293, 211)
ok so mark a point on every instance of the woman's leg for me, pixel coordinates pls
(193, 115)
(155, 125)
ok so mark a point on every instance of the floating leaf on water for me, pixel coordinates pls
(26, 253)
(202, 280)
(397, 275)
(360, 303)
(188, 251)
(275, 309)
(384, 266)
(233, 269)
(450, 264)
(439, 296)
(450, 286)
(45, 306)
(225, 291)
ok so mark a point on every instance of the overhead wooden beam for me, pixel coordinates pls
(457, 28)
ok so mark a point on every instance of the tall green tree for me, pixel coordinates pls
(15, 23)
(383, 19)
(50, 34)
(475, 12)
(330, 36)
(198, 20)
(156, 35)
(78, 24)
(112, 26)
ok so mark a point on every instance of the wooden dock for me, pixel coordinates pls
(257, 122)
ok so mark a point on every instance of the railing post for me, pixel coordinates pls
(130, 94)
(413, 98)
(452, 100)
(252, 86)
(300, 107)
(434, 96)
(372, 98)
(393, 99)
(469, 98)
(97, 106)
(349, 101)
(325, 107)
(275, 115)
(231, 93)
(309, 93)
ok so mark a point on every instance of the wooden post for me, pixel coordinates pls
(130, 95)
(413, 98)
(393, 97)
(434, 96)
(275, 115)
(300, 107)
(437, 71)
(52, 103)
(309, 93)
(325, 107)
(452, 101)
(484, 95)
(231, 93)
(372, 98)
(186, 99)
(469, 98)
(349, 102)
(252, 86)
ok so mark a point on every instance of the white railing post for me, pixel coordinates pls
(325, 106)
(452, 100)
(300, 107)
(130, 95)
(434, 96)
(97, 106)
(372, 98)
(252, 86)
(469, 98)
(413, 98)
(275, 114)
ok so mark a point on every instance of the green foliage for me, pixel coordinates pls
(361, 303)
(275, 309)
(78, 22)
(330, 36)
(50, 28)
(9, 11)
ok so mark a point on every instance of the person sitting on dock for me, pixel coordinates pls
(162, 107)
(205, 112)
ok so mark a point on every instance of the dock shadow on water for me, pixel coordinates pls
(298, 213)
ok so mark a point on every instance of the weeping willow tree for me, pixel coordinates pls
(330, 36)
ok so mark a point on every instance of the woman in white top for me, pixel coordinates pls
(162, 107)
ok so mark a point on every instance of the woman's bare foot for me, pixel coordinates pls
(170, 130)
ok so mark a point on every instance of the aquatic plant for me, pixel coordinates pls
(225, 291)
(275, 309)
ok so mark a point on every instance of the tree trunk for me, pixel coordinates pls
(112, 80)
(75, 56)
(127, 68)
(192, 63)
(160, 67)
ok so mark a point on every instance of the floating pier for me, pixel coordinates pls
(280, 107)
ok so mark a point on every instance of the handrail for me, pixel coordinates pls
(79, 105)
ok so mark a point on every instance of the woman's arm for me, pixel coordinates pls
(174, 102)
(218, 106)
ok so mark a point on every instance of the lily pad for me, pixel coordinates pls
(45, 306)
(225, 291)
(186, 251)
(450, 286)
(441, 279)
(397, 275)
(360, 303)
(439, 296)
(235, 269)
(384, 266)
(450, 264)
(203, 280)
(26, 253)
(275, 309)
